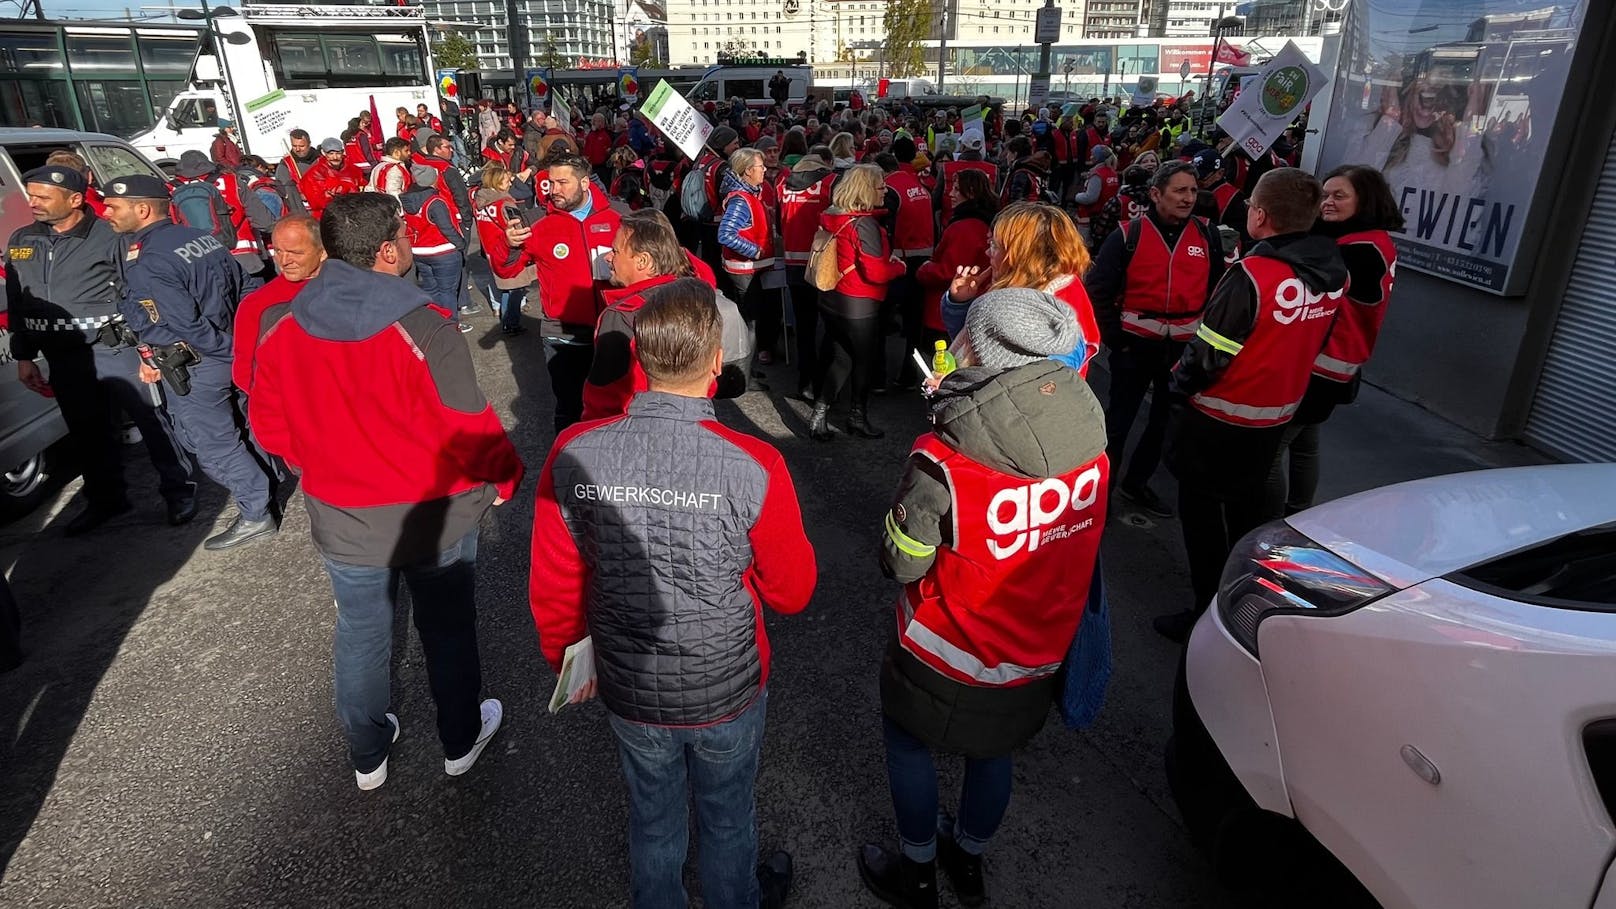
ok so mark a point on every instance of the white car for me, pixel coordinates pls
(1421, 680)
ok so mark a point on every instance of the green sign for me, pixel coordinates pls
(258, 104)
(1285, 90)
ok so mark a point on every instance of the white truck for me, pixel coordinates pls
(274, 68)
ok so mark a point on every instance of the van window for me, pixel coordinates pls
(744, 88)
(196, 112)
(706, 91)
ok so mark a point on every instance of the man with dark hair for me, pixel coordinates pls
(645, 255)
(440, 157)
(391, 175)
(61, 273)
(290, 171)
(663, 534)
(1245, 373)
(397, 474)
(569, 247)
(180, 292)
(1149, 285)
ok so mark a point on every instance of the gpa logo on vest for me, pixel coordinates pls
(1196, 252)
(1293, 302)
(1035, 513)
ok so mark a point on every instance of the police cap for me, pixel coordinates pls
(136, 186)
(56, 175)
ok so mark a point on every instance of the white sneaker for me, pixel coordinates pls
(374, 779)
(493, 713)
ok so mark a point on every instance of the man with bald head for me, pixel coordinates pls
(295, 244)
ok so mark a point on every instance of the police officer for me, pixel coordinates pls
(181, 288)
(61, 272)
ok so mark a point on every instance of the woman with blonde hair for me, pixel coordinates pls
(852, 343)
(495, 207)
(842, 151)
(1035, 246)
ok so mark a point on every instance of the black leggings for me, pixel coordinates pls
(848, 354)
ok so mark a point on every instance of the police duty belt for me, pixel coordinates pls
(87, 323)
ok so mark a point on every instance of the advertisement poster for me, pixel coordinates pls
(1454, 101)
(673, 116)
(1275, 98)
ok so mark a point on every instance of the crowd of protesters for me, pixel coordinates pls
(1008, 253)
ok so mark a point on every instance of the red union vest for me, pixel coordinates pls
(1352, 338)
(356, 154)
(1268, 376)
(757, 232)
(1166, 289)
(1001, 603)
(951, 171)
(914, 233)
(1223, 194)
(383, 172)
(799, 217)
(425, 237)
(1109, 186)
(247, 240)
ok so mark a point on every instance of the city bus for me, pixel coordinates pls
(274, 68)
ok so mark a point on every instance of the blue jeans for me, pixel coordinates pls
(439, 278)
(444, 596)
(912, 775)
(510, 307)
(720, 764)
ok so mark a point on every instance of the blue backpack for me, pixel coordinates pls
(199, 204)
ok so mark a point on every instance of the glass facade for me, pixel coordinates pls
(333, 59)
(108, 79)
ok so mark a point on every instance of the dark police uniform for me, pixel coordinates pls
(181, 286)
(60, 289)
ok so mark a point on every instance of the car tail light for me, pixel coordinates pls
(1275, 570)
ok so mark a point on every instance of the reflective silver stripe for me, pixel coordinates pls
(1245, 412)
(798, 256)
(431, 250)
(746, 266)
(65, 324)
(911, 253)
(1336, 367)
(1177, 331)
(247, 246)
(918, 639)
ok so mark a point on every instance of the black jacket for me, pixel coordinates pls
(60, 287)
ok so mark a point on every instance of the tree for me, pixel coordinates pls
(549, 57)
(908, 24)
(455, 51)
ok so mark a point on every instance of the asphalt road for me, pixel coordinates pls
(171, 740)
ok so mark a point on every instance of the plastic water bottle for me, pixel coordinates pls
(942, 362)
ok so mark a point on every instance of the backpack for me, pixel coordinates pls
(199, 204)
(693, 201)
(823, 270)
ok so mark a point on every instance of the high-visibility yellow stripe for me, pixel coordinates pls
(906, 544)
(1218, 341)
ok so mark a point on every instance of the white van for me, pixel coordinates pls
(750, 83)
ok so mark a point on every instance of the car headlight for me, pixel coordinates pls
(1275, 570)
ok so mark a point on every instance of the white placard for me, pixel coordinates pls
(1046, 30)
(676, 119)
(1269, 101)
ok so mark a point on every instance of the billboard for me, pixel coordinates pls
(1454, 101)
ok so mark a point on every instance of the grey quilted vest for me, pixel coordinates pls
(662, 508)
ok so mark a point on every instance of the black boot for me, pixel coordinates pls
(858, 423)
(774, 880)
(964, 870)
(897, 880)
(819, 423)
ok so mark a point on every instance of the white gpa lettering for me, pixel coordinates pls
(1024, 512)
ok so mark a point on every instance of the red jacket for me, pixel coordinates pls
(369, 393)
(323, 183)
(96, 202)
(804, 196)
(491, 219)
(571, 260)
(1356, 328)
(492, 154)
(615, 374)
(950, 178)
(247, 326)
(598, 146)
(863, 254)
(1069, 290)
(964, 243)
(440, 165)
(225, 152)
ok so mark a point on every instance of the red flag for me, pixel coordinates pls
(377, 137)
(1228, 53)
